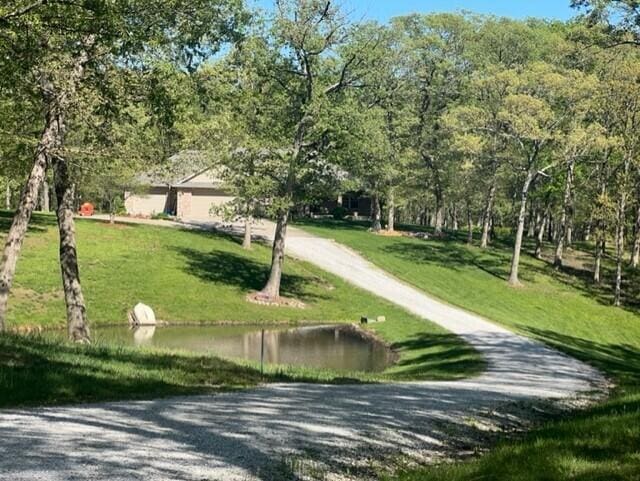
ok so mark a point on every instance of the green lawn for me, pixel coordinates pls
(198, 277)
(560, 308)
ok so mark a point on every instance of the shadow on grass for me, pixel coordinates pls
(622, 361)
(227, 268)
(38, 223)
(36, 371)
(436, 356)
(452, 252)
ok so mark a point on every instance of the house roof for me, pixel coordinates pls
(182, 170)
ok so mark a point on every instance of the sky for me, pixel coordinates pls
(383, 10)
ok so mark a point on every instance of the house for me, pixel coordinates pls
(355, 204)
(184, 187)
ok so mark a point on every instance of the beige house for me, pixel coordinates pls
(189, 197)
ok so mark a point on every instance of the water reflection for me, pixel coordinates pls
(332, 347)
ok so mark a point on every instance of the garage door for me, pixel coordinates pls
(203, 199)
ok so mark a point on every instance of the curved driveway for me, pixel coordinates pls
(295, 431)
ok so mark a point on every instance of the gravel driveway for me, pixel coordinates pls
(294, 431)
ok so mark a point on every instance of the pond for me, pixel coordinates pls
(341, 348)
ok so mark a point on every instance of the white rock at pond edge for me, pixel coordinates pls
(143, 315)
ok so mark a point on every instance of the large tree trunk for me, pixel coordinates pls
(564, 216)
(7, 196)
(376, 214)
(488, 212)
(635, 253)
(514, 281)
(391, 213)
(271, 290)
(246, 241)
(77, 325)
(26, 206)
(540, 235)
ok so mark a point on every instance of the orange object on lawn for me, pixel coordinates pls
(86, 209)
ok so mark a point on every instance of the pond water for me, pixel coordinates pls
(340, 348)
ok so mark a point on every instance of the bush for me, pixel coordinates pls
(161, 216)
(339, 213)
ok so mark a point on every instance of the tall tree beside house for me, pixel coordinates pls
(375, 121)
(308, 78)
(60, 50)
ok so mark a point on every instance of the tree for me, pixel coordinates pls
(434, 47)
(532, 114)
(621, 19)
(621, 101)
(308, 75)
(61, 49)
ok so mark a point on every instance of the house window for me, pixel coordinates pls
(351, 203)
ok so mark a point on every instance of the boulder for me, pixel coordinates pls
(142, 315)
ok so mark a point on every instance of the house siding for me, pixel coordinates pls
(148, 204)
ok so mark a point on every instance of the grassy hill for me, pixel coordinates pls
(559, 307)
(187, 277)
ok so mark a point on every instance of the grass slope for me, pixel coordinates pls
(558, 307)
(193, 277)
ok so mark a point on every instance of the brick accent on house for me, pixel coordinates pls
(184, 204)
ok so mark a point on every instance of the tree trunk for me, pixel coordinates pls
(439, 214)
(376, 214)
(597, 278)
(635, 254)
(620, 247)
(77, 325)
(563, 228)
(7, 196)
(246, 241)
(391, 213)
(469, 224)
(26, 206)
(488, 211)
(271, 291)
(540, 236)
(514, 281)
(531, 228)
(454, 217)
(44, 203)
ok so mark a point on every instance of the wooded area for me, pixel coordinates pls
(457, 121)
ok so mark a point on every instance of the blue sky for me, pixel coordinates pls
(382, 10)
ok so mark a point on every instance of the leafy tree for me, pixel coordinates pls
(307, 77)
(62, 50)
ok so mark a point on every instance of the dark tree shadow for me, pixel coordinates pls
(620, 360)
(227, 268)
(448, 354)
(39, 222)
